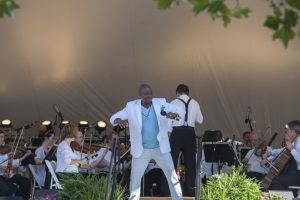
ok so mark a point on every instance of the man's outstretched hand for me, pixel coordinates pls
(121, 123)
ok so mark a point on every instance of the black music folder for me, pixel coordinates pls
(221, 152)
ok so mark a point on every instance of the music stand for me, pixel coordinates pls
(211, 136)
(244, 151)
(219, 152)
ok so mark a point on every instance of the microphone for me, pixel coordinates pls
(248, 115)
(233, 140)
(28, 126)
(56, 108)
(164, 113)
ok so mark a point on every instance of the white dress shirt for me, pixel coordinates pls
(106, 159)
(64, 156)
(40, 169)
(296, 151)
(254, 162)
(80, 155)
(105, 162)
(194, 112)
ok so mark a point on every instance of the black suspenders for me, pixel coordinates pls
(186, 110)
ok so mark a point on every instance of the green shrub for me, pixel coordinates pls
(87, 188)
(232, 187)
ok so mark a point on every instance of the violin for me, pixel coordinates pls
(123, 150)
(8, 148)
(84, 148)
(262, 148)
(77, 147)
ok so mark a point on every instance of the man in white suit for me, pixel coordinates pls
(147, 119)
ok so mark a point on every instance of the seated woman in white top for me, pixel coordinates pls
(41, 153)
(67, 160)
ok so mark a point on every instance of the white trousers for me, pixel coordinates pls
(164, 161)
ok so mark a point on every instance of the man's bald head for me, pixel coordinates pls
(255, 139)
(145, 92)
(144, 86)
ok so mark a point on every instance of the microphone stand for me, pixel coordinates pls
(249, 122)
(54, 124)
(248, 119)
(250, 125)
(199, 169)
(59, 140)
(112, 172)
(125, 137)
(115, 170)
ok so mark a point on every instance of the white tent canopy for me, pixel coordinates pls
(89, 57)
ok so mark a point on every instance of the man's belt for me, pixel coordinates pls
(183, 128)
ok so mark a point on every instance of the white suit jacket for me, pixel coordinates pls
(132, 112)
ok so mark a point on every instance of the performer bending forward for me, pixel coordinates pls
(149, 138)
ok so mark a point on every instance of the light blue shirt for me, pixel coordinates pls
(150, 128)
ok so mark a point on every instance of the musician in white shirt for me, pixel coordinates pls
(7, 185)
(253, 158)
(41, 153)
(106, 153)
(291, 177)
(183, 137)
(67, 160)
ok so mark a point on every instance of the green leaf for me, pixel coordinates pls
(285, 35)
(164, 4)
(224, 9)
(245, 12)
(272, 22)
(7, 7)
(290, 18)
(293, 3)
(226, 20)
(2, 8)
(199, 5)
(215, 6)
(277, 11)
(236, 14)
(239, 12)
(1, 13)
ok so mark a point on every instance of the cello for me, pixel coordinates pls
(276, 168)
(279, 165)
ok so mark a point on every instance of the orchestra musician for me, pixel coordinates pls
(7, 187)
(82, 151)
(104, 164)
(72, 155)
(40, 153)
(246, 139)
(67, 160)
(291, 176)
(253, 158)
(183, 137)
